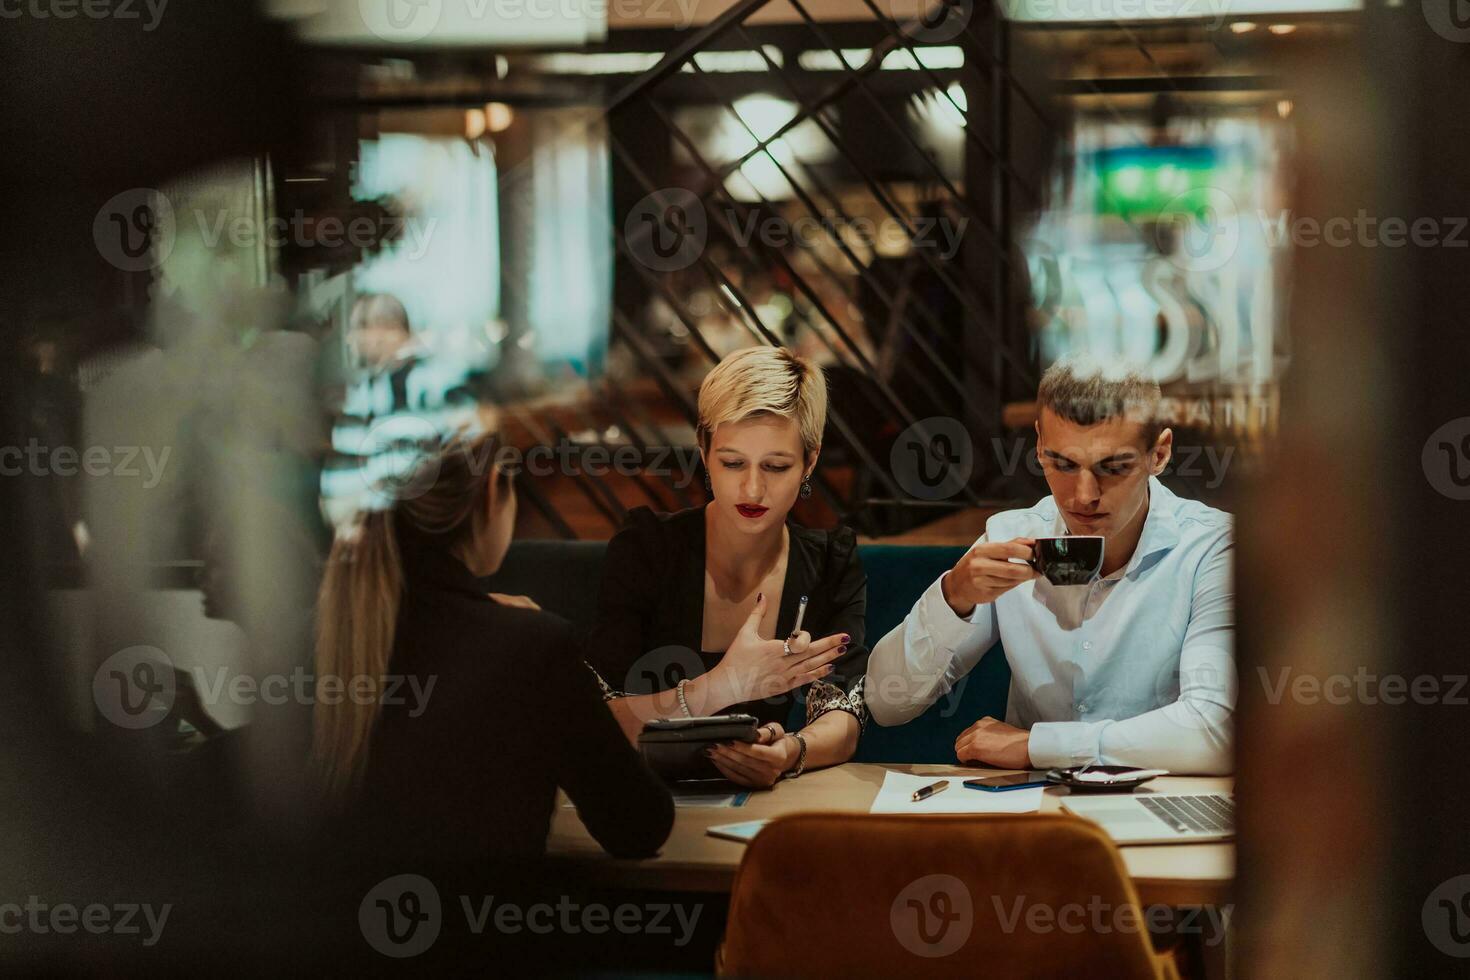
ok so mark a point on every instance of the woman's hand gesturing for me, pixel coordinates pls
(753, 668)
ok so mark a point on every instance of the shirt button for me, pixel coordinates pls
(1087, 645)
(1081, 706)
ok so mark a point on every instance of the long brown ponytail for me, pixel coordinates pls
(446, 497)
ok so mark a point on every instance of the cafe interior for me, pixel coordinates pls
(265, 257)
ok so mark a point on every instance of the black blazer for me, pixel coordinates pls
(650, 616)
(513, 714)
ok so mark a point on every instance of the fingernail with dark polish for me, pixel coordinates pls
(846, 639)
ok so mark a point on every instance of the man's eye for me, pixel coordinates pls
(1116, 470)
(1064, 465)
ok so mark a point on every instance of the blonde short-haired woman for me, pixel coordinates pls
(698, 610)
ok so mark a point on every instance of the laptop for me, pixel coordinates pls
(1159, 818)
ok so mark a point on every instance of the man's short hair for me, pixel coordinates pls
(378, 306)
(1086, 392)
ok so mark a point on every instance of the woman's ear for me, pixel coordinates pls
(811, 463)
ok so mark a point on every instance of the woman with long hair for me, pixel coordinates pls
(715, 609)
(449, 715)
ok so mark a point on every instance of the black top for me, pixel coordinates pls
(512, 715)
(650, 616)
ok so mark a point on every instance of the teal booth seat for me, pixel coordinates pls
(563, 577)
(897, 576)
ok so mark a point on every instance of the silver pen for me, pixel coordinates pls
(800, 615)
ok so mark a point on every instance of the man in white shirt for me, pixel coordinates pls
(1136, 668)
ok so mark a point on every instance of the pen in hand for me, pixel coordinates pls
(800, 615)
(924, 792)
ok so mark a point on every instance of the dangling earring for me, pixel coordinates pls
(707, 488)
(806, 489)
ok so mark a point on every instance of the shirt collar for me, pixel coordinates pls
(1160, 527)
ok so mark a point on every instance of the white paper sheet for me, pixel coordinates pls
(896, 796)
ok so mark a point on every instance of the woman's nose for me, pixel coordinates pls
(755, 484)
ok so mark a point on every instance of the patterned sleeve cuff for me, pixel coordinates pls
(822, 698)
(608, 694)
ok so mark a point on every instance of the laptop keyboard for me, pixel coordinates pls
(1204, 814)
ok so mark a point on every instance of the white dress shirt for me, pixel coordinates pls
(1135, 669)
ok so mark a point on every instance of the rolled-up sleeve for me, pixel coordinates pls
(922, 658)
(1193, 734)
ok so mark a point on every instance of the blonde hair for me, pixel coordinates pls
(764, 381)
(357, 605)
(1086, 391)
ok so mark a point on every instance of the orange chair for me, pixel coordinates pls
(832, 894)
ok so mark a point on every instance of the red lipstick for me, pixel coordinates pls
(751, 510)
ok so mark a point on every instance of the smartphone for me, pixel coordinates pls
(999, 784)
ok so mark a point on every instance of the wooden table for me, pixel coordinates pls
(691, 860)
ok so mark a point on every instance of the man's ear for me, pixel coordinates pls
(1162, 452)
